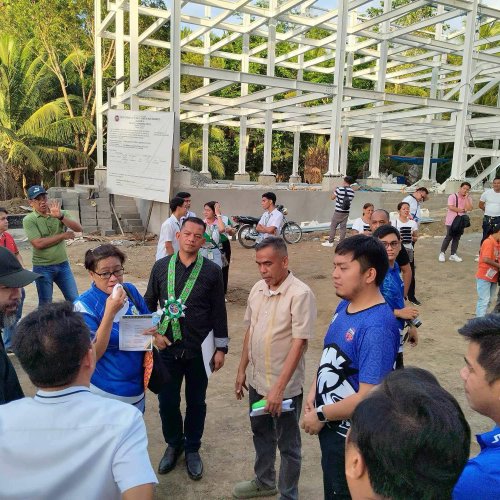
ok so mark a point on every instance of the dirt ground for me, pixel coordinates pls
(448, 296)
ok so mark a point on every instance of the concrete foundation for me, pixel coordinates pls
(267, 180)
(100, 177)
(242, 177)
(294, 179)
(452, 186)
(373, 182)
(330, 182)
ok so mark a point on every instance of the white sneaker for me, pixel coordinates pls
(326, 244)
(476, 259)
(455, 258)
(442, 257)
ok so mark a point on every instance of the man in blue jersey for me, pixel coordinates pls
(392, 288)
(481, 376)
(360, 349)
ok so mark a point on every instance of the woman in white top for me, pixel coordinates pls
(362, 224)
(408, 229)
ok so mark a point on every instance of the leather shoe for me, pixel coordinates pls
(194, 465)
(169, 459)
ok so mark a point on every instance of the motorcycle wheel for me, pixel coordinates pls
(245, 236)
(292, 233)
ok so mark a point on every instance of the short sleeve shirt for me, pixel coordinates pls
(455, 200)
(490, 249)
(358, 348)
(7, 241)
(167, 233)
(340, 193)
(38, 226)
(272, 219)
(481, 476)
(274, 318)
(360, 225)
(414, 207)
(406, 230)
(491, 203)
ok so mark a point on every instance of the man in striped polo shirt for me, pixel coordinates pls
(343, 196)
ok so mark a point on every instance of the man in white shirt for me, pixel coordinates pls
(415, 200)
(167, 242)
(187, 203)
(489, 203)
(67, 443)
(272, 219)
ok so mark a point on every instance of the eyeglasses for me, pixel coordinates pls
(392, 244)
(106, 276)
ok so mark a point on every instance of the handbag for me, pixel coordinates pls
(460, 222)
(159, 374)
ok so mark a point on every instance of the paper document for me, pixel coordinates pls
(131, 333)
(208, 352)
(286, 405)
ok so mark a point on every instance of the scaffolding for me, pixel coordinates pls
(440, 55)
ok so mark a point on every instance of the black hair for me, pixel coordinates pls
(492, 229)
(349, 179)
(270, 196)
(4, 210)
(385, 230)
(413, 437)
(195, 220)
(93, 256)
(368, 205)
(175, 203)
(275, 242)
(485, 331)
(50, 344)
(368, 251)
(424, 189)
(210, 205)
(183, 195)
(465, 183)
(401, 203)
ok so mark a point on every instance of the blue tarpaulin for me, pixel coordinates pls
(416, 160)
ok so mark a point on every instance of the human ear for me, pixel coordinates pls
(354, 463)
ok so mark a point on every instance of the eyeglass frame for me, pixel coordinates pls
(392, 244)
(111, 273)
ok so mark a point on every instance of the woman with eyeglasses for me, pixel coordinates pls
(118, 374)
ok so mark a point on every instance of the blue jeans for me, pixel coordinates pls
(61, 275)
(8, 332)
(485, 293)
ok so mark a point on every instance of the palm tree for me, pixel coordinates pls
(36, 132)
(191, 151)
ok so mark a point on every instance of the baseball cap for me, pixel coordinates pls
(35, 191)
(12, 273)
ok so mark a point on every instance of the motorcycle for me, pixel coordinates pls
(248, 236)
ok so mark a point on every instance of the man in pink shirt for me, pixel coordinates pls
(458, 204)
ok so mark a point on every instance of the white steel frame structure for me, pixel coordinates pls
(450, 65)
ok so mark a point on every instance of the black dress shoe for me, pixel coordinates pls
(194, 465)
(169, 459)
(414, 301)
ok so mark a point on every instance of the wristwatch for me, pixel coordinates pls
(321, 415)
(61, 218)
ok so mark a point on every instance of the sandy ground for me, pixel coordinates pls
(447, 292)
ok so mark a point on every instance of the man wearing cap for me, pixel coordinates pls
(12, 278)
(47, 228)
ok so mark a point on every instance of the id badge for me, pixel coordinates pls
(210, 255)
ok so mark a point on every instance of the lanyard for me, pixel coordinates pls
(174, 308)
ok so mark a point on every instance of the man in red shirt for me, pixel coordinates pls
(7, 241)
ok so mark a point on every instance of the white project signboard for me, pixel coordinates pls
(139, 153)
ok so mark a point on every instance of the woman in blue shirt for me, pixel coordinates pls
(118, 374)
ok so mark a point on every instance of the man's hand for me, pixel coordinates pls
(161, 341)
(54, 208)
(274, 400)
(407, 312)
(68, 235)
(240, 384)
(311, 424)
(218, 360)
(309, 405)
(413, 336)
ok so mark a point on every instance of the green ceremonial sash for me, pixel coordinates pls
(174, 308)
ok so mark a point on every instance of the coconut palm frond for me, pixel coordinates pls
(19, 153)
(216, 166)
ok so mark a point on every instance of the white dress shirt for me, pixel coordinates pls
(72, 445)
(167, 233)
(271, 219)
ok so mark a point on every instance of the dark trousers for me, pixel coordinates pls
(488, 223)
(175, 431)
(453, 238)
(282, 432)
(226, 250)
(333, 464)
(411, 290)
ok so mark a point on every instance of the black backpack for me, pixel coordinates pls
(346, 203)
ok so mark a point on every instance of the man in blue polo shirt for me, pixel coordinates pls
(360, 349)
(481, 376)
